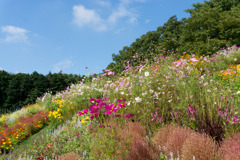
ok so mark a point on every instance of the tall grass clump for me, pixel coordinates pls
(200, 146)
(230, 147)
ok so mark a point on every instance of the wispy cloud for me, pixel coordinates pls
(103, 3)
(14, 34)
(62, 65)
(1, 69)
(147, 21)
(90, 17)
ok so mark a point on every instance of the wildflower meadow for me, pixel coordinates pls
(178, 107)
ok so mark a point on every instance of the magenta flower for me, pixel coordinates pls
(86, 67)
(156, 117)
(101, 126)
(91, 117)
(99, 100)
(83, 112)
(121, 100)
(122, 105)
(128, 115)
(92, 100)
(190, 109)
(235, 119)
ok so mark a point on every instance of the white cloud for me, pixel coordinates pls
(103, 3)
(1, 69)
(62, 65)
(14, 34)
(83, 16)
(89, 17)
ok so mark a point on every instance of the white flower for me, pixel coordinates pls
(138, 99)
(146, 74)
(122, 93)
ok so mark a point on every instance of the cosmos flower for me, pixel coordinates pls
(146, 74)
(138, 99)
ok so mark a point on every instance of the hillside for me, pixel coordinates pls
(210, 26)
(175, 106)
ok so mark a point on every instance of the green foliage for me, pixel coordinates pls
(212, 25)
(18, 90)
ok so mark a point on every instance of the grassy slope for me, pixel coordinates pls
(156, 94)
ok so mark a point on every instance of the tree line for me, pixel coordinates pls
(17, 90)
(212, 25)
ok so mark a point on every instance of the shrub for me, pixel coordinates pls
(134, 134)
(230, 147)
(201, 146)
(176, 140)
(70, 156)
(141, 150)
(160, 138)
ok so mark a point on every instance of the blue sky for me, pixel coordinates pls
(69, 35)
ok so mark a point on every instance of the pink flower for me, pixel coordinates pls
(86, 67)
(193, 60)
(111, 73)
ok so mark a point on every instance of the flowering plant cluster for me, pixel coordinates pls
(231, 73)
(100, 109)
(25, 127)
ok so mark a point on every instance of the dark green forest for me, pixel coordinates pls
(212, 25)
(17, 90)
